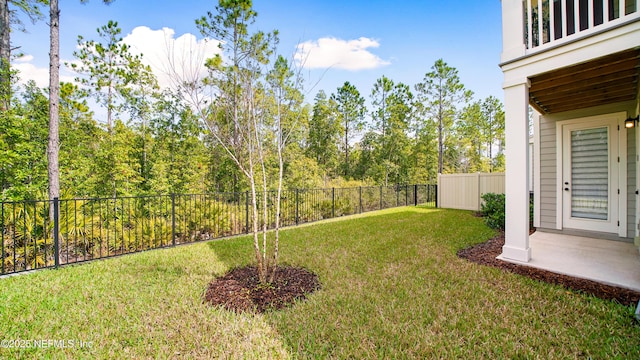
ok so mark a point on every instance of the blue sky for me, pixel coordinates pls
(360, 41)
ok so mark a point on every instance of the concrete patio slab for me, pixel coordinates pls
(610, 262)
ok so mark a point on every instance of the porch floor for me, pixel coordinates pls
(606, 261)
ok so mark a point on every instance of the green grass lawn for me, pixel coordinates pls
(392, 287)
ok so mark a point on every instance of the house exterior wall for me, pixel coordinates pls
(521, 63)
(637, 197)
(547, 170)
(631, 184)
(532, 160)
(548, 160)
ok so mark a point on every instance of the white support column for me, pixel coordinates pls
(516, 100)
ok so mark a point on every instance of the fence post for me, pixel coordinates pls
(56, 228)
(380, 197)
(406, 194)
(173, 219)
(415, 195)
(297, 210)
(435, 191)
(333, 202)
(360, 191)
(479, 191)
(246, 211)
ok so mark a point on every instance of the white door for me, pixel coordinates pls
(591, 175)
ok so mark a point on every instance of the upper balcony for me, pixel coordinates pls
(534, 26)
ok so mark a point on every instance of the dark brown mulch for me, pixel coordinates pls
(240, 290)
(486, 253)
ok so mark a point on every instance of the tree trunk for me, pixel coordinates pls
(54, 97)
(5, 30)
(440, 145)
(346, 149)
(5, 56)
(254, 220)
(279, 196)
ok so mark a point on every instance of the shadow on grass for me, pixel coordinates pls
(233, 252)
(238, 251)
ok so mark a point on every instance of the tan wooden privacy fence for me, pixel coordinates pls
(464, 191)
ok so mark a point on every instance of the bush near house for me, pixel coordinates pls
(493, 210)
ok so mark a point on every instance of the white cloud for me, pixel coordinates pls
(24, 58)
(27, 71)
(343, 54)
(171, 59)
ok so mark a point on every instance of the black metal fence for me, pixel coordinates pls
(87, 229)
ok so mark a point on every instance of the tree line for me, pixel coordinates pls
(181, 140)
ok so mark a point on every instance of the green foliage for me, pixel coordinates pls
(25, 236)
(176, 159)
(481, 136)
(493, 210)
(303, 173)
(324, 134)
(349, 111)
(386, 149)
(7, 79)
(23, 139)
(440, 94)
(116, 78)
(79, 132)
(159, 143)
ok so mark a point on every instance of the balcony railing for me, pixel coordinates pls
(552, 22)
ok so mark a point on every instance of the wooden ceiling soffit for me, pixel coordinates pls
(606, 80)
(628, 86)
(587, 104)
(585, 97)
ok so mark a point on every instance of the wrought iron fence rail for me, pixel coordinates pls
(37, 234)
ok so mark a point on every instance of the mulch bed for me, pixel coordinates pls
(240, 290)
(486, 253)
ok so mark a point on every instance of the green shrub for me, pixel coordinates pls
(493, 210)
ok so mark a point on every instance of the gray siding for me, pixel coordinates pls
(547, 173)
(631, 183)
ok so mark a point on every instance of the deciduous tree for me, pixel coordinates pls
(238, 117)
